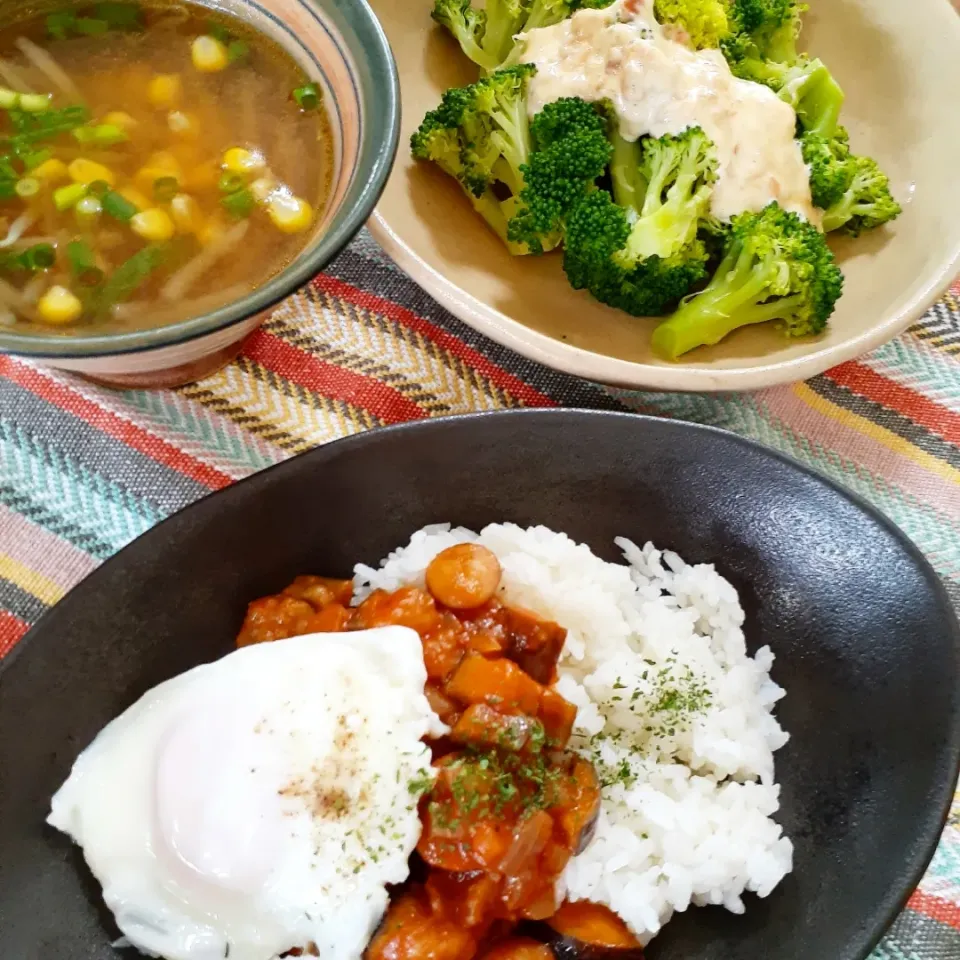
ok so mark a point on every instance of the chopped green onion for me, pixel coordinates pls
(89, 27)
(124, 282)
(27, 187)
(98, 188)
(33, 158)
(8, 189)
(88, 211)
(118, 206)
(231, 183)
(239, 204)
(119, 15)
(83, 263)
(32, 127)
(218, 32)
(237, 50)
(165, 189)
(308, 96)
(35, 102)
(102, 135)
(27, 102)
(66, 198)
(61, 24)
(41, 256)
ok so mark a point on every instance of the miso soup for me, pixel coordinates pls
(156, 162)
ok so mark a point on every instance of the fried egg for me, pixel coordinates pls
(262, 802)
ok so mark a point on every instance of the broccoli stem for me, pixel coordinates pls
(491, 210)
(501, 25)
(820, 102)
(733, 299)
(629, 185)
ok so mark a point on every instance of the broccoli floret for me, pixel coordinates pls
(644, 256)
(830, 169)
(701, 24)
(480, 135)
(772, 26)
(776, 266)
(866, 203)
(570, 151)
(487, 36)
(804, 83)
(763, 47)
(851, 190)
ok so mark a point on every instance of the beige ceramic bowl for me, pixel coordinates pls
(899, 64)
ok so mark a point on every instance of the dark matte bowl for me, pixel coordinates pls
(866, 645)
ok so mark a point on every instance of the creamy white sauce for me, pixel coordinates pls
(659, 86)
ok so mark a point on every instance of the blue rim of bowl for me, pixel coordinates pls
(377, 155)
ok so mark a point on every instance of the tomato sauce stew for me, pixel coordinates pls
(510, 804)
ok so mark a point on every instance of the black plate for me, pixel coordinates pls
(866, 644)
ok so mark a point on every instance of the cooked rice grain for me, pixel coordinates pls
(673, 712)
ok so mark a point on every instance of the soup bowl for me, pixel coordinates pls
(339, 45)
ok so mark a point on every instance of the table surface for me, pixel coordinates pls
(84, 470)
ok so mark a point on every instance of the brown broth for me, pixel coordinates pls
(248, 104)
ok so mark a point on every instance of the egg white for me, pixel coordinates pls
(261, 802)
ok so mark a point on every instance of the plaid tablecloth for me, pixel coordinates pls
(84, 470)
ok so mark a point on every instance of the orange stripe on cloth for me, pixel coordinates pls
(11, 630)
(880, 389)
(125, 431)
(886, 438)
(315, 374)
(527, 394)
(823, 425)
(944, 911)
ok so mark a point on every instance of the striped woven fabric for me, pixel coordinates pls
(84, 470)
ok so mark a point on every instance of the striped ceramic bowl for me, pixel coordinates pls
(340, 45)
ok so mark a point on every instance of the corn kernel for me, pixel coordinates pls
(154, 225)
(59, 305)
(52, 171)
(182, 124)
(165, 91)
(263, 187)
(186, 213)
(209, 55)
(117, 118)
(289, 214)
(87, 171)
(238, 160)
(138, 199)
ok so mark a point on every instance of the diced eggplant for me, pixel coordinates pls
(586, 931)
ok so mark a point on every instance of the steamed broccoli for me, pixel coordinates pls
(700, 23)
(480, 135)
(486, 36)
(866, 203)
(851, 190)
(570, 151)
(644, 255)
(763, 47)
(828, 159)
(776, 267)
(771, 25)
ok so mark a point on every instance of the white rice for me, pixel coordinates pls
(675, 715)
